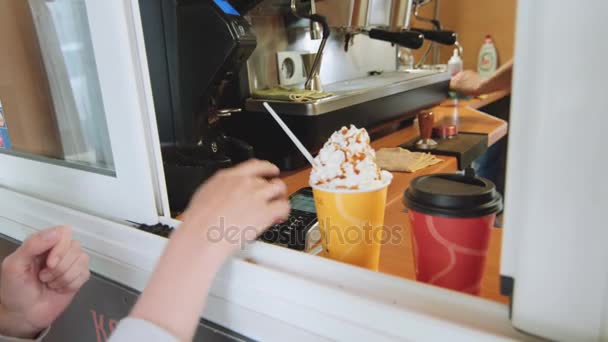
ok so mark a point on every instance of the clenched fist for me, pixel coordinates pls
(39, 280)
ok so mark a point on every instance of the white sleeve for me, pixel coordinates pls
(40, 337)
(133, 329)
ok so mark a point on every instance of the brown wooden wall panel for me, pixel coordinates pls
(24, 89)
(473, 19)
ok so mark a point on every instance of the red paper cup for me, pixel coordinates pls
(450, 252)
(451, 218)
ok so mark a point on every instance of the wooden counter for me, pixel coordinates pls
(397, 258)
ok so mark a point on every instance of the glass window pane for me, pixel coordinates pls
(50, 98)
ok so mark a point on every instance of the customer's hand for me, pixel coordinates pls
(238, 204)
(467, 82)
(39, 280)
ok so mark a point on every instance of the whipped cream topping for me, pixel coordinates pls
(347, 161)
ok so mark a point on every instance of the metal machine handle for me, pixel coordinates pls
(315, 26)
(323, 21)
(314, 18)
(222, 113)
(316, 64)
(441, 37)
(408, 39)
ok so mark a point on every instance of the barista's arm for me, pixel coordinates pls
(469, 83)
(233, 207)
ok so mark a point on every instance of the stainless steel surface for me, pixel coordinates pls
(315, 28)
(262, 68)
(315, 250)
(344, 14)
(313, 81)
(425, 55)
(460, 49)
(356, 91)
(405, 59)
(308, 60)
(313, 240)
(316, 31)
(313, 73)
(316, 83)
(417, 5)
(426, 144)
(408, 16)
(379, 13)
(227, 112)
(274, 35)
(294, 8)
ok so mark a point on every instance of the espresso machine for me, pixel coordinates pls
(205, 64)
(196, 50)
(358, 71)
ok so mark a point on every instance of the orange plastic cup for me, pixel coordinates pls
(351, 224)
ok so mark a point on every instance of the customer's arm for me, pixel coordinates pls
(233, 207)
(468, 82)
(38, 282)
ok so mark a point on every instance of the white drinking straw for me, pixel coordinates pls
(289, 133)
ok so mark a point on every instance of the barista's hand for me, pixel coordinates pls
(238, 204)
(39, 280)
(467, 83)
(231, 208)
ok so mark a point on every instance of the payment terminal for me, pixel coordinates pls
(300, 231)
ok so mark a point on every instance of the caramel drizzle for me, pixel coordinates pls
(354, 161)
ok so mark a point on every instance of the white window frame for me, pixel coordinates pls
(137, 191)
(266, 292)
(270, 293)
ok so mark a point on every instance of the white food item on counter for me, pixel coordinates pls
(348, 162)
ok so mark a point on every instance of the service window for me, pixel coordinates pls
(74, 119)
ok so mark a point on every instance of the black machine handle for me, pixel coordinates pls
(441, 37)
(408, 39)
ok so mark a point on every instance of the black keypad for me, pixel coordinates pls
(292, 232)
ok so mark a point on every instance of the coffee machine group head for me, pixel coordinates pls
(196, 50)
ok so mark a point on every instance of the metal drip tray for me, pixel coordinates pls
(354, 92)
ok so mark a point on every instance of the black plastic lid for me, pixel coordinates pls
(453, 195)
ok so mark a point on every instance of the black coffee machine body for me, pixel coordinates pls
(196, 50)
